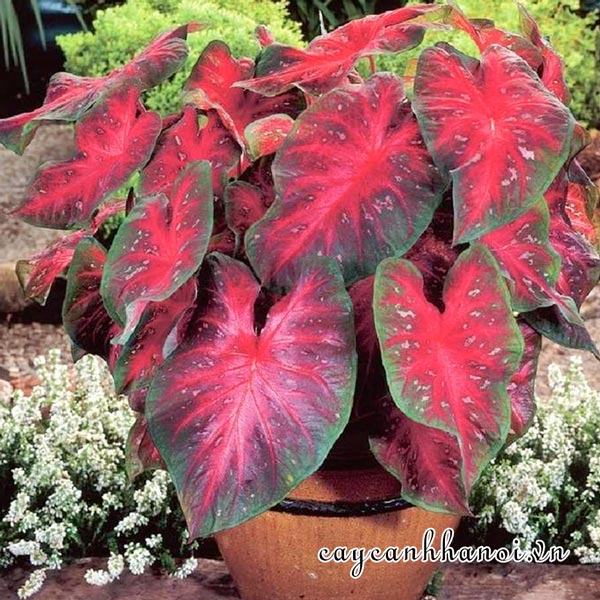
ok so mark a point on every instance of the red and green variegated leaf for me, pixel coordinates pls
(266, 135)
(526, 258)
(552, 75)
(37, 274)
(240, 417)
(84, 317)
(160, 59)
(113, 141)
(521, 387)
(210, 86)
(192, 137)
(140, 452)
(450, 370)
(563, 325)
(69, 96)
(427, 461)
(476, 118)
(329, 58)
(579, 272)
(147, 347)
(159, 246)
(484, 33)
(581, 204)
(371, 384)
(354, 182)
(245, 204)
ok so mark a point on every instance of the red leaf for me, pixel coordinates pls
(141, 453)
(84, 317)
(329, 58)
(147, 347)
(485, 34)
(476, 118)
(245, 204)
(450, 370)
(552, 75)
(283, 395)
(112, 143)
(266, 135)
(69, 96)
(579, 273)
(527, 259)
(581, 204)
(427, 461)
(191, 138)
(159, 246)
(210, 86)
(37, 274)
(354, 182)
(522, 384)
(264, 36)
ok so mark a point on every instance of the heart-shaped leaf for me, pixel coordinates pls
(449, 370)
(283, 395)
(329, 58)
(527, 258)
(190, 138)
(159, 246)
(427, 461)
(210, 86)
(354, 182)
(84, 317)
(147, 347)
(37, 274)
(552, 75)
(113, 141)
(485, 34)
(69, 96)
(476, 118)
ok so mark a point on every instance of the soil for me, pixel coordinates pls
(211, 581)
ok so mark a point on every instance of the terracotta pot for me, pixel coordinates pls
(274, 556)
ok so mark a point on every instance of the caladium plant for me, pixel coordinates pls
(307, 249)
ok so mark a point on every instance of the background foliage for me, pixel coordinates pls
(119, 32)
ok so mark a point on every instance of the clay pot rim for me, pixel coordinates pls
(321, 508)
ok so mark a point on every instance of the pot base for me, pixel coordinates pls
(275, 556)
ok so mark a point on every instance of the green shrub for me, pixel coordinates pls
(120, 31)
(574, 38)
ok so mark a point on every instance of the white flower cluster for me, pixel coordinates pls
(547, 485)
(62, 451)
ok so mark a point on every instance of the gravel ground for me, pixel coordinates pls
(211, 581)
(17, 239)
